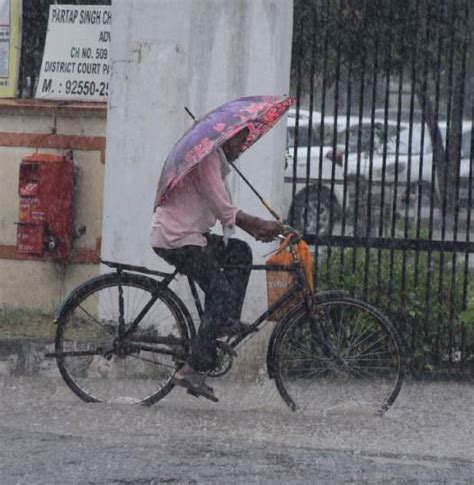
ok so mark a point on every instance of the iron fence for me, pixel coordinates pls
(380, 163)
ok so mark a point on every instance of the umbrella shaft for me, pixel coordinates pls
(262, 200)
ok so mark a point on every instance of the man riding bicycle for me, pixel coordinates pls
(181, 235)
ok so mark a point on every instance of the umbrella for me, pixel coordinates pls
(257, 113)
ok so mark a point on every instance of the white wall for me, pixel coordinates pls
(170, 53)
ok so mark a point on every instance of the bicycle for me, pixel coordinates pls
(122, 336)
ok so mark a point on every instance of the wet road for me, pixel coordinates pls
(49, 436)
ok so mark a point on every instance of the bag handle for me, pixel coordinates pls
(283, 245)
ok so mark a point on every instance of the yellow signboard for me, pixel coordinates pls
(10, 46)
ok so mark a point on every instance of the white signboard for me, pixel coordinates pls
(10, 37)
(76, 55)
(4, 37)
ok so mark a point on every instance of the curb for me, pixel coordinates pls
(25, 357)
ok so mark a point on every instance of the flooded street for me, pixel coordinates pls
(49, 436)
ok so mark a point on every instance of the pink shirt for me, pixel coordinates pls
(193, 208)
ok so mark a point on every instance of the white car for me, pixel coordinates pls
(405, 157)
(306, 190)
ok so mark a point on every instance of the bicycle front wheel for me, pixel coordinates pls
(345, 355)
(98, 363)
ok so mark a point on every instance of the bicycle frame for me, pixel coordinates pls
(300, 288)
(292, 292)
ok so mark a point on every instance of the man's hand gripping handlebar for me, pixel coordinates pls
(265, 231)
(260, 229)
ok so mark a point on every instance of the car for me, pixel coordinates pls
(307, 188)
(411, 164)
(309, 193)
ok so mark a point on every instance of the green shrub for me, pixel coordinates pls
(25, 323)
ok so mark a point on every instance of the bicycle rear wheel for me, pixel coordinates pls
(101, 366)
(346, 355)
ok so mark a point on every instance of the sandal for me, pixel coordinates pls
(193, 381)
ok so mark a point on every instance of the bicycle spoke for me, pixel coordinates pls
(351, 357)
(366, 367)
(358, 372)
(339, 333)
(366, 359)
(102, 326)
(363, 375)
(358, 341)
(356, 332)
(309, 360)
(315, 370)
(372, 344)
(302, 349)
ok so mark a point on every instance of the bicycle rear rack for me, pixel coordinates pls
(137, 269)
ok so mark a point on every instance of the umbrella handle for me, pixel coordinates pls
(269, 209)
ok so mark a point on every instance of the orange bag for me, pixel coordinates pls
(278, 282)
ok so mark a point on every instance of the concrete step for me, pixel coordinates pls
(25, 357)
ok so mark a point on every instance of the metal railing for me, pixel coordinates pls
(383, 184)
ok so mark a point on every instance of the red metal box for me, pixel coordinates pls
(46, 189)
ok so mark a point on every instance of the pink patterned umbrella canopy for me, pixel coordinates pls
(257, 113)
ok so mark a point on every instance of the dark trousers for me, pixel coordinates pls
(224, 289)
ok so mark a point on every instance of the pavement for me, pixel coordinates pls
(250, 436)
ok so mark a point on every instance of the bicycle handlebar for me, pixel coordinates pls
(289, 230)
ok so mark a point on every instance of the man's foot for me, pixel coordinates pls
(194, 382)
(232, 328)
